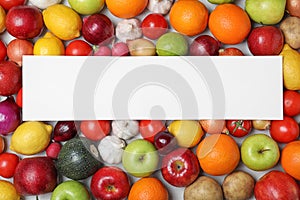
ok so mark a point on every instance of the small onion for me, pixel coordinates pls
(10, 116)
(213, 126)
(141, 47)
(17, 48)
(261, 124)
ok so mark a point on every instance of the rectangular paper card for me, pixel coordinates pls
(152, 87)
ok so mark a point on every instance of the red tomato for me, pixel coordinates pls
(284, 131)
(154, 25)
(3, 51)
(291, 103)
(19, 98)
(78, 48)
(8, 4)
(8, 164)
(95, 129)
(149, 128)
(239, 128)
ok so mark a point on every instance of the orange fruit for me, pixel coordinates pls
(189, 17)
(218, 154)
(126, 8)
(2, 144)
(290, 159)
(148, 188)
(229, 23)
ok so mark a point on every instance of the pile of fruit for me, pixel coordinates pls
(149, 159)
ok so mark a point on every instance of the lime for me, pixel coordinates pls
(171, 44)
(62, 21)
(31, 137)
(49, 45)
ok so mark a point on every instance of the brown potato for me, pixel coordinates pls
(204, 188)
(290, 27)
(238, 185)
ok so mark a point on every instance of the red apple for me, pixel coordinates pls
(180, 167)
(35, 175)
(10, 78)
(265, 40)
(110, 183)
(98, 29)
(24, 22)
(230, 51)
(276, 185)
(205, 45)
(8, 4)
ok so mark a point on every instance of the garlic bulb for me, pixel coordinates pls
(160, 6)
(42, 4)
(111, 149)
(128, 29)
(125, 129)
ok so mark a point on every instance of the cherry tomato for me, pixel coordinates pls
(291, 103)
(95, 129)
(3, 51)
(154, 25)
(284, 131)
(19, 98)
(8, 164)
(239, 128)
(78, 48)
(8, 4)
(149, 128)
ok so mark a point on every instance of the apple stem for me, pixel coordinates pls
(263, 150)
(37, 198)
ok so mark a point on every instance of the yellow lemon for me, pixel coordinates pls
(8, 191)
(62, 21)
(188, 133)
(2, 19)
(49, 45)
(31, 137)
(291, 68)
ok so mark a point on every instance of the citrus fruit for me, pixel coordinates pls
(291, 68)
(218, 154)
(2, 144)
(8, 191)
(172, 44)
(126, 8)
(148, 188)
(229, 23)
(62, 21)
(188, 133)
(189, 17)
(48, 45)
(31, 137)
(2, 19)
(290, 159)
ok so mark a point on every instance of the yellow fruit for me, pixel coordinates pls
(49, 45)
(2, 19)
(291, 68)
(188, 133)
(31, 137)
(8, 191)
(62, 21)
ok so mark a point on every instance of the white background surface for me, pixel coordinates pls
(175, 193)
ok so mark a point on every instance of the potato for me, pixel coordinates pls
(290, 27)
(204, 188)
(238, 185)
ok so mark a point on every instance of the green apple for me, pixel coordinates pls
(220, 1)
(266, 12)
(140, 158)
(87, 7)
(259, 152)
(171, 44)
(70, 190)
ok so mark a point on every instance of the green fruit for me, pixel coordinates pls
(78, 159)
(70, 190)
(171, 44)
(140, 158)
(87, 7)
(220, 1)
